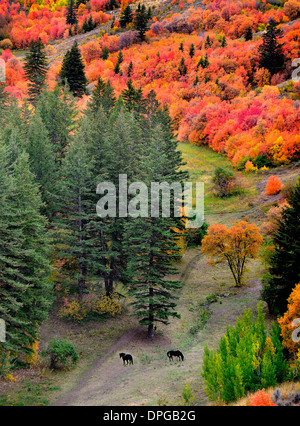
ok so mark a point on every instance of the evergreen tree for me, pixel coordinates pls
(76, 210)
(25, 291)
(72, 72)
(192, 50)
(71, 17)
(284, 270)
(102, 96)
(223, 41)
(129, 71)
(58, 112)
(271, 54)
(182, 68)
(181, 48)
(133, 98)
(42, 163)
(151, 242)
(126, 16)
(207, 42)
(248, 34)
(35, 68)
(105, 53)
(141, 21)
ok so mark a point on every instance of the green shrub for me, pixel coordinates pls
(247, 359)
(194, 236)
(61, 352)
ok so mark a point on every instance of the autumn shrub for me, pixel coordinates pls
(288, 326)
(91, 306)
(273, 186)
(234, 246)
(261, 399)
(223, 182)
(61, 352)
(6, 44)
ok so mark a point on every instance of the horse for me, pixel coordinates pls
(178, 354)
(126, 357)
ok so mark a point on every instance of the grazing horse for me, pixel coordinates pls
(175, 353)
(126, 358)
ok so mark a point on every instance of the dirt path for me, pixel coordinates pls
(109, 383)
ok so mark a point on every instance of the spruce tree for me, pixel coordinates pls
(248, 34)
(58, 112)
(35, 68)
(284, 270)
(141, 21)
(72, 72)
(151, 242)
(192, 50)
(102, 96)
(25, 291)
(71, 17)
(270, 51)
(133, 98)
(126, 16)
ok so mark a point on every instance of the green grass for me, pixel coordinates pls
(201, 163)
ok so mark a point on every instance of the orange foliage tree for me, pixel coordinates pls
(273, 186)
(289, 324)
(235, 246)
(261, 399)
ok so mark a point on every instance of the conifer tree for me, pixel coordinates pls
(102, 96)
(151, 241)
(141, 21)
(71, 17)
(284, 270)
(25, 291)
(248, 34)
(192, 50)
(126, 16)
(271, 55)
(133, 98)
(72, 72)
(58, 112)
(35, 68)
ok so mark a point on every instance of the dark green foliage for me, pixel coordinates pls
(141, 21)
(105, 53)
(182, 68)
(194, 237)
(35, 69)
(60, 352)
(248, 34)
(192, 50)
(25, 291)
(88, 25)
(271, 54)
(284, 269)
(102, 96)
(262, 161)
(133, 98)
(126, 16)
(71, 17)
(203, 62)
(72, 72)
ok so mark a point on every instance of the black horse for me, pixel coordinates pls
(178, 354)
(126, 358)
